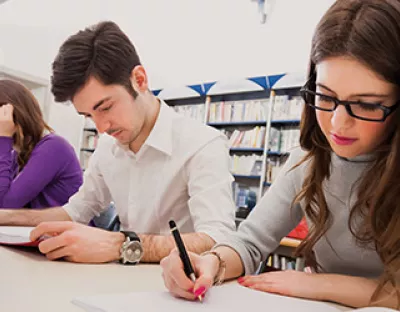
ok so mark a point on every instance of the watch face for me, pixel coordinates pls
(133, 252)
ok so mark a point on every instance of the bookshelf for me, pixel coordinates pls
(189, 101)
(88, 143)
(254, 114)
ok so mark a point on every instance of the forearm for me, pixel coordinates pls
(234, 265)
(352, 291)
(32, 217)
(156, 247)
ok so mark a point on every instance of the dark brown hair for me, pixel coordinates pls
(27, 117)
(101, 51)
(368, 31)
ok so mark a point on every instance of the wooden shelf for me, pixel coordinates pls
(290, 242)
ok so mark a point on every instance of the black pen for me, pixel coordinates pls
(187, 266)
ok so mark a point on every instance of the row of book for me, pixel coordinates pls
(251, 165)
(253, 138)
(284, 263)
(195, 111)
(287, 108)
(237, 111)
(283, 140)
(273, 167)
(247, 165)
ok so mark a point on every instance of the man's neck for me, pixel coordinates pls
(153, 110)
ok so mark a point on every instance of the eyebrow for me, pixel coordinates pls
(101, 102)
(358, 94)
(97, 105)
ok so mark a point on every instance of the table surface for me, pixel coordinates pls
(30, 282)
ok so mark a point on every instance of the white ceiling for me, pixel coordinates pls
(180, 41)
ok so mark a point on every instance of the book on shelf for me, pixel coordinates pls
(194, 111)
(283, 140)
(253, 138)
(246, 165)
(300, 231)
(287, 108)
(238, 111)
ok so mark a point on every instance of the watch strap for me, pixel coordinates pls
(131, 235)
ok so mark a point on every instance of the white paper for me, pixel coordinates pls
(230, 298)
(15, 234)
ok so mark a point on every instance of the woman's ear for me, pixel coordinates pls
(139, 79)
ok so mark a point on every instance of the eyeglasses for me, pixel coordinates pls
(356, 109)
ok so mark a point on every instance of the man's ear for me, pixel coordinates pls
(139, 79)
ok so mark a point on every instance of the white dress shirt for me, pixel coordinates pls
(181, 172)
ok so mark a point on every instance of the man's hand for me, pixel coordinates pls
(77, 243)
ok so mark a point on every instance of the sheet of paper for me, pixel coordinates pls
(230, 298)
(15, 234)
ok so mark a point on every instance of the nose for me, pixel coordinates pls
(102, 125)
(341, 119)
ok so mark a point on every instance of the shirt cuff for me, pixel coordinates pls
(76, 215)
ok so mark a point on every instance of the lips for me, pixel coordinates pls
(116, 133)
(341, 140)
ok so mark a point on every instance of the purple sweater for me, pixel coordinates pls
(50, 177)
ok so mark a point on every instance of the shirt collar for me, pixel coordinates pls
(160, 136)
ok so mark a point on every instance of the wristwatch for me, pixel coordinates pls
(131, 250)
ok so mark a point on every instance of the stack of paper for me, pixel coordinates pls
(230, 298)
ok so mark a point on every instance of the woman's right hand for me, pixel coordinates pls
(7, 125)
(175, 279)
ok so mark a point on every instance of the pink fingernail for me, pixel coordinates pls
(240, 280)
(199, 291)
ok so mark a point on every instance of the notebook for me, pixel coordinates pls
(17, 236)
(232, 298)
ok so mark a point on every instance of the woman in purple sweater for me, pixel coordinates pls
(38, 169)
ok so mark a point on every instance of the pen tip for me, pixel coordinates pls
(172, 224)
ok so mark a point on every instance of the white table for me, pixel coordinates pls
(30, 282)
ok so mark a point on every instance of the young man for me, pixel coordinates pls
(153, 163)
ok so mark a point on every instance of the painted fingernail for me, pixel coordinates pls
(240, 280)
(199, 291)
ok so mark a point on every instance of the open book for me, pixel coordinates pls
(16, 235)
(226, 298)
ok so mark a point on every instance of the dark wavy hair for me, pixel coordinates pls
(368, 31)
(101, 51)
(27, 116)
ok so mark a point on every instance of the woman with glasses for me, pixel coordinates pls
(345, 178)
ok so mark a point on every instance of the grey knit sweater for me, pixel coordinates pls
(272, 219)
